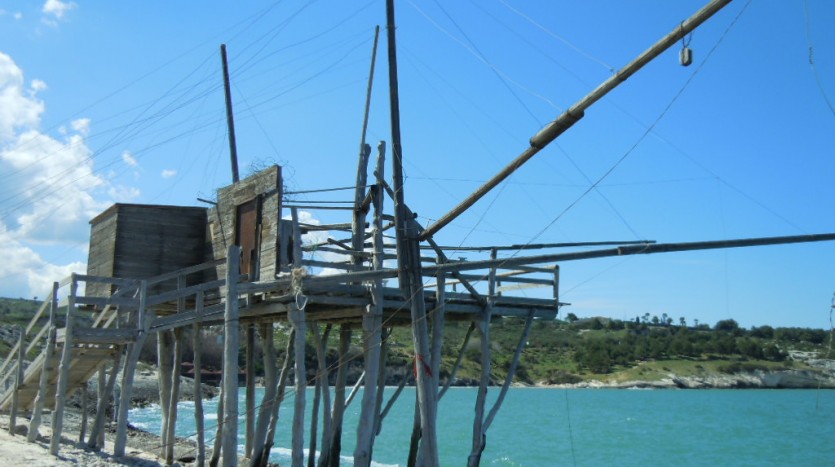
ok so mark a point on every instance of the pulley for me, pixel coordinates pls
(685, 55)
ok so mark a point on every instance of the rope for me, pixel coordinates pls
(297, 276)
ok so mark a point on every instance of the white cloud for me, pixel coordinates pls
(49, 193)
(55, 186)
(82, 126)
(16, 15)
(316, 237)
(19, 109)
(57, 9)
(129, 159)
(122, 193)
(168, 173)
(36, 87)
(25, 274)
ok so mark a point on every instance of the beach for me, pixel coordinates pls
(143, 448)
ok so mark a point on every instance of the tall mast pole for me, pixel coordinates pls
(410, 275)
(230, 121)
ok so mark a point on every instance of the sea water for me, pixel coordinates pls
(585, 427)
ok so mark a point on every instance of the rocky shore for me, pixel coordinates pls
(142, 448)
(788, 379)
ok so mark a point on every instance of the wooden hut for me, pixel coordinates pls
(140, 241)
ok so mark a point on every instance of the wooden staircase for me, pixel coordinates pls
(91, 347)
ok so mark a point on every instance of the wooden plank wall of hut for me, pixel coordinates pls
(222, 219)
(144, 241)
(102, 253)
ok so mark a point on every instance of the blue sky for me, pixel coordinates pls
(104, 102)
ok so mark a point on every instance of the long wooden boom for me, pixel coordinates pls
(576, 112)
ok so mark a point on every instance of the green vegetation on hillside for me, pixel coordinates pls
(556, 352)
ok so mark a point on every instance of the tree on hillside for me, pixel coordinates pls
(763, 332)
(727, 325)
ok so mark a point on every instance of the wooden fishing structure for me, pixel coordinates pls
(173, 271)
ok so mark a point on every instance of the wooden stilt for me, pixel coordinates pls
(437, 318)
(63, 372)
(372, 324)
(197, 346)
(338, 411)
(355, 389)
(381, 380)
(40, 400)
(457, 364)
(97, 432)
(297, 319)
(270, 379)
(164, 367)
(391, 402)
(82, 432)
(414, 440)
(484, 328)
(408, 256)
(213, 462)
(279, 398)
(143, 323)
(510, 372)
(250, 387)
(314, 412)
(230, 359)
(97, 437)
(175, 395)
(21, 351)
(322, 380)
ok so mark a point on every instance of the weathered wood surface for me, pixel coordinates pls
(229, 443)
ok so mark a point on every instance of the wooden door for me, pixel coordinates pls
(246, 236)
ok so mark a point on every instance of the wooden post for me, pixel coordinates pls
(97, 437)
(197, 346)
(83, 431)
(390, 403)
(408, 256)
(175, 395)
(213, 462)
(372, 324)
(381, 380)
(21, 351)
(458, 360)
(63, 372)
(164, 368)
(49, 351)
(314, 412)
(510, 372)
(354, 390)
(250, 387)
(231, 328)
(323, 392)
(297, 320)
(484, 327)
(143, 324)
(270, 379)
(438, 316)
(279, 398)
(96, 440)
(338, 412)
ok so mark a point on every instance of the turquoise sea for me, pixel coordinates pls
(592, 427)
